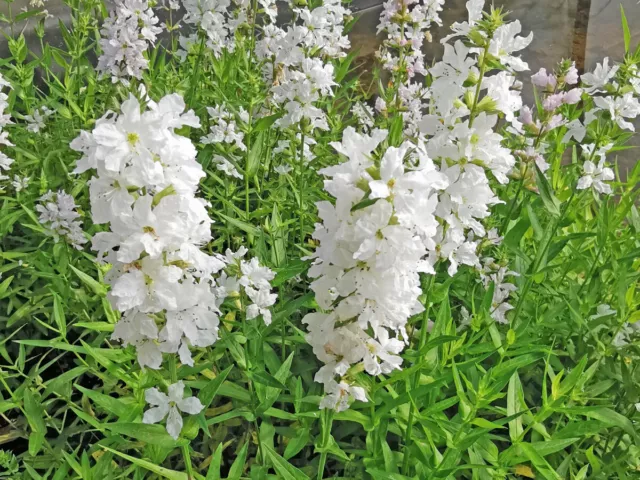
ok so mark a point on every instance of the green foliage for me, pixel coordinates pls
(553, 395)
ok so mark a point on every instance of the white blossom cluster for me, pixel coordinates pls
(603, 86)
(224, 130)
(297, 60)
(217, 19)
(168, 290)
(59, 217)
(493, 273)
(36, 122)
(5, 119)
(381, 232)
(406, 23)
(423, 202)
(126, 35)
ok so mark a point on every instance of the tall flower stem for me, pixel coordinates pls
(416, 377)
(553, 228)
(476, 98)
(326, 423)
(196, 69)
(301, 187)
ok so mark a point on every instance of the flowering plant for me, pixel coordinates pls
(223, 254)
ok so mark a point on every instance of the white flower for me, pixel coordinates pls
(170, 406)
(20, 183)
(126, 35)
(620, 108)
(506, 41)
(600, 76)
(59, 217)
(36, 122)
(499, 88)
(262, 299)
(595, 176)
(282, 169)
(226, 167)
(603, 310)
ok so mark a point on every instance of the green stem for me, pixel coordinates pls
(196, 70)
(587, 279)
(186, 455)
(539, 257)
(476, 98)
(325, 433)
(301, 188)
(416, 378)
(507, 219)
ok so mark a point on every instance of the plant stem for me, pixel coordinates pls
(505, 224)
(541, 254)
(416, 377)
(301, 188)
(325, 433)
(196, 70)
(186, 455)
(476, 98)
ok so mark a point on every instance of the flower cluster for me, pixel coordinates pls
(59, 217)
(494, 273)
(5, 119)
(217, 19)
(373, 243)
(297, 57)
(36, 122)
(126, 35)
(145, 189)
(406, 23)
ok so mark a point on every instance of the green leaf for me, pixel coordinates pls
(297, 443)
(265, 122)
(151, 434)
(541, 465)
(625, 30)
(255, 155)
(582, 429)
(107, 403)
(213, 473)
(207, 394)
(152, 467)
(35, 416)
(264, 378)
(284, 469)
(244, 226)
(90, 282)
(614, 419)
(551, 203)
(235, 472)
(281, 376)
(58, 315)
(289, 271)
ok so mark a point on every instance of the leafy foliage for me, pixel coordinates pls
(553, 394)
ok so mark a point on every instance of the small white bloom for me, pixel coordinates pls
(170, 406)
(595, 176)
(603, 310)
(600, 76)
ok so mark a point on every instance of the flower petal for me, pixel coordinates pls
(156, 414)
(190, 405)
(174, 423)
(176, 391)
(153, 396)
